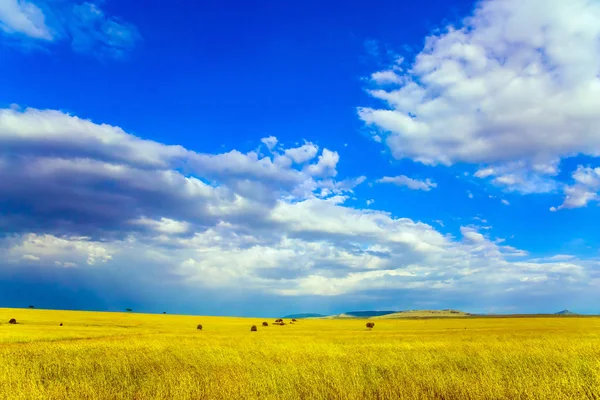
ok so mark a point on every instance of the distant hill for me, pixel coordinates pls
(305, 315)
(565, 312)
(425, 314)
(368, 314)
(359, 314)
(400, 314)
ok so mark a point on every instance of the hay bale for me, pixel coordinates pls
(12, 321)
(370, 325)
(265, 324)
(199, 327)
(253, 329)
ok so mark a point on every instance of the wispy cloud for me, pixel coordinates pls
(21, 17)
(414, 184)
(84, 26)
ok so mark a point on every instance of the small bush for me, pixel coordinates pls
(199, 327)
(61, 324)
(253, 329)
(265, 324)
(370, 325)
(12, 321)
(293, 319)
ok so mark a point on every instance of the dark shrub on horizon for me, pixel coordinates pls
(12, 321)
(253, 329)
(199, 327)
(265, 324)
(370, 325)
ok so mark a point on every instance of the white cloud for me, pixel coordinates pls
(326, 166)
(270, 142)
(472, 235)
(505, 202)
(91, 194)
(517, 82)
(50, 249)
(86, 27)
(410, 183)
(522, 177)
(387, 76)
(25, 18)
(584, 190)
(302, 154)
(164, 225)
(370, 201)
(320, 247)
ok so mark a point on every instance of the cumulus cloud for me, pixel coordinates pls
(303, 153)
(86, 27)
(270, 142)
(77, 195)
(326, 165)
(585, 189)
(514, 88)
(101, 178)
(414, 184)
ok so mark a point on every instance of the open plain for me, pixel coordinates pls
(98, 355)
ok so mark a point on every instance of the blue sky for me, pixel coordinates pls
(276, 158)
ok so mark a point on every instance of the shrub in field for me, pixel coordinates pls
(265, 324)
(293, 319)
(12, 321)
(253, 329)
(370, 325)
(61, 324)
(199, 327)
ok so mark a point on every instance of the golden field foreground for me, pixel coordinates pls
(145, 356)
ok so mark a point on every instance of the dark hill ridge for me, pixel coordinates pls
(305, 315)
(363, 314)
(565, 312)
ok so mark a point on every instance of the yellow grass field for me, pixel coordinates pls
(142, 356)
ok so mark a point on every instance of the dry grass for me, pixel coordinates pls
(137, 356)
